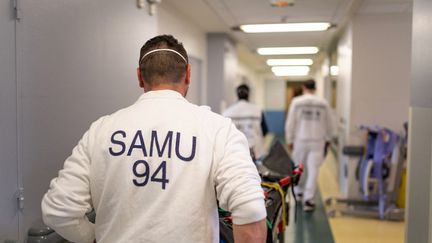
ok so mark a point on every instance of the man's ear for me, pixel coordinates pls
(188, 74)
(140, 79)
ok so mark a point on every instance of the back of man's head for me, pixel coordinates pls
(163, 60)
(243, 92)
(309, 85)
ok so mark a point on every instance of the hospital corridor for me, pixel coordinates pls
(215, 121)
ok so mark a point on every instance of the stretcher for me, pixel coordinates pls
(279, 175)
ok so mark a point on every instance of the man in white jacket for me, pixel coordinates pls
(308, 130)
(249, 119)
(153, 171)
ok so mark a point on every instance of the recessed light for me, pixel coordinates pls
(289, 62)
(284, 27)
(287, 50)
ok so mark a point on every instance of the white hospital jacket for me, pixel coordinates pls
(153, 172)
(309, 120)
(247, 118)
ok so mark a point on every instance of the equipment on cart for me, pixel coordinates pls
(277, 160)
(278, 176)
(275, 191)
(372, 186)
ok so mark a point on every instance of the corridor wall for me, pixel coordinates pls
(76, 61)
(171, 21)
(374, 73)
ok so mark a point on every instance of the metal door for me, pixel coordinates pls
(9, 224)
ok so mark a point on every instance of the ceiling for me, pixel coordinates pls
(222, 15)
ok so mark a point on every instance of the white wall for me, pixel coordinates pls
(238, 72)
(8, 127)
(381, 70)
(227, 71)
(321, 77)
(343, 106)
(231, 75)
(171, 21)
(255, 81)
(259, 93)
(216, 71)
(275, 95)
(418, 218)
(374, 72)
(76, 61)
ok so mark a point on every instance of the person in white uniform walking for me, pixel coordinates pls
(249, 119)
(154, 171)
(308, 131)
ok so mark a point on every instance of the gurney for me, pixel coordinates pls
(279, 175)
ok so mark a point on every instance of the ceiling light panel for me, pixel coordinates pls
(288, 50)
(290, 74)
(284, 27)
(289, 62)
(291, 70)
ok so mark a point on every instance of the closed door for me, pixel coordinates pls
(8, 126)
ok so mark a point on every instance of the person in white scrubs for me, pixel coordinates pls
(308, 130)
(154, 171)
(249, 119)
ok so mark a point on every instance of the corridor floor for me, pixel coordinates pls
(317, 228)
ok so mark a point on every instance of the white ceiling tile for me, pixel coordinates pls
(222, 15)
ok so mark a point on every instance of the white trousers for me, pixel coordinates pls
(311, 154)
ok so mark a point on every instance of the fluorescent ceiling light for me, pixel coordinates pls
(291, 70)
(334, 70)
(289, 62)
(284, 27)
(287, 50)
(288, 74)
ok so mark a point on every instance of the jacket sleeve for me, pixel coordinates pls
(290, 124)
(238, 185)
(68, 199)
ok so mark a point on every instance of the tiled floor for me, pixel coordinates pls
(353, 229)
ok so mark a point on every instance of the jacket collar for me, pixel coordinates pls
(161, 94)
